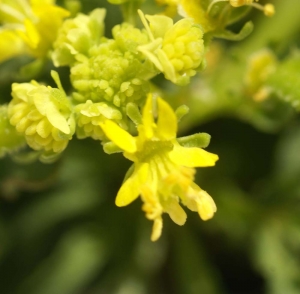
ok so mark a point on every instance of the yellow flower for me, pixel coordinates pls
(29, 27)
(163, 170)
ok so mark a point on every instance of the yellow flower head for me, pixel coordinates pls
(163, 171)
(29, 27)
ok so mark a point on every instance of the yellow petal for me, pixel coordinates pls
(192, 157)
(167, 120)
(119, 136)
(130, 190)
(206, 205)
(148, 121)
(176, 213)
(11, 45)
(32, 38)
(42, 2)
(156, 229)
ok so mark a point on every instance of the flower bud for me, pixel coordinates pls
(176, 50)
(77, 36)
(110, 75)
(43, 115)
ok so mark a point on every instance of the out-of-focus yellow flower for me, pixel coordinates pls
(163, 170)
(28, 27)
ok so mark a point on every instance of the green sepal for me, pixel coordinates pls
(285, 81)
(237, 14)
(31, 70)
(129, 173)
(181, 111)
(49, 157)
(56, 78)
(10, 139)
(133, 112)
(111, 147)
(200, 140)
(26, 157)
(243, 33)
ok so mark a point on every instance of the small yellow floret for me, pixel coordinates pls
(163, 172)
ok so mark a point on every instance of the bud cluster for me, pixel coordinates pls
(43, 115)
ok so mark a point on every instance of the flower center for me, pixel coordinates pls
(154, 148)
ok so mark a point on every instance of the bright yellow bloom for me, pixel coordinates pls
(29, 27)
(163, 170)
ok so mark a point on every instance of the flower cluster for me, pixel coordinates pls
(112, 94)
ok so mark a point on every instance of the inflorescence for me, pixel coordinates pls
(113, 97)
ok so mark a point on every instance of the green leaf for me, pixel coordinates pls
(244, 32)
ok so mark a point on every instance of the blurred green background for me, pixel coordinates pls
(61, 233)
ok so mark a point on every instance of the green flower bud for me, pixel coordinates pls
(10, 139)
(176, 50)
(128, 37)
(77, 36)
(43, 115)
(110, 75)
(89, 115)
(260, 66)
